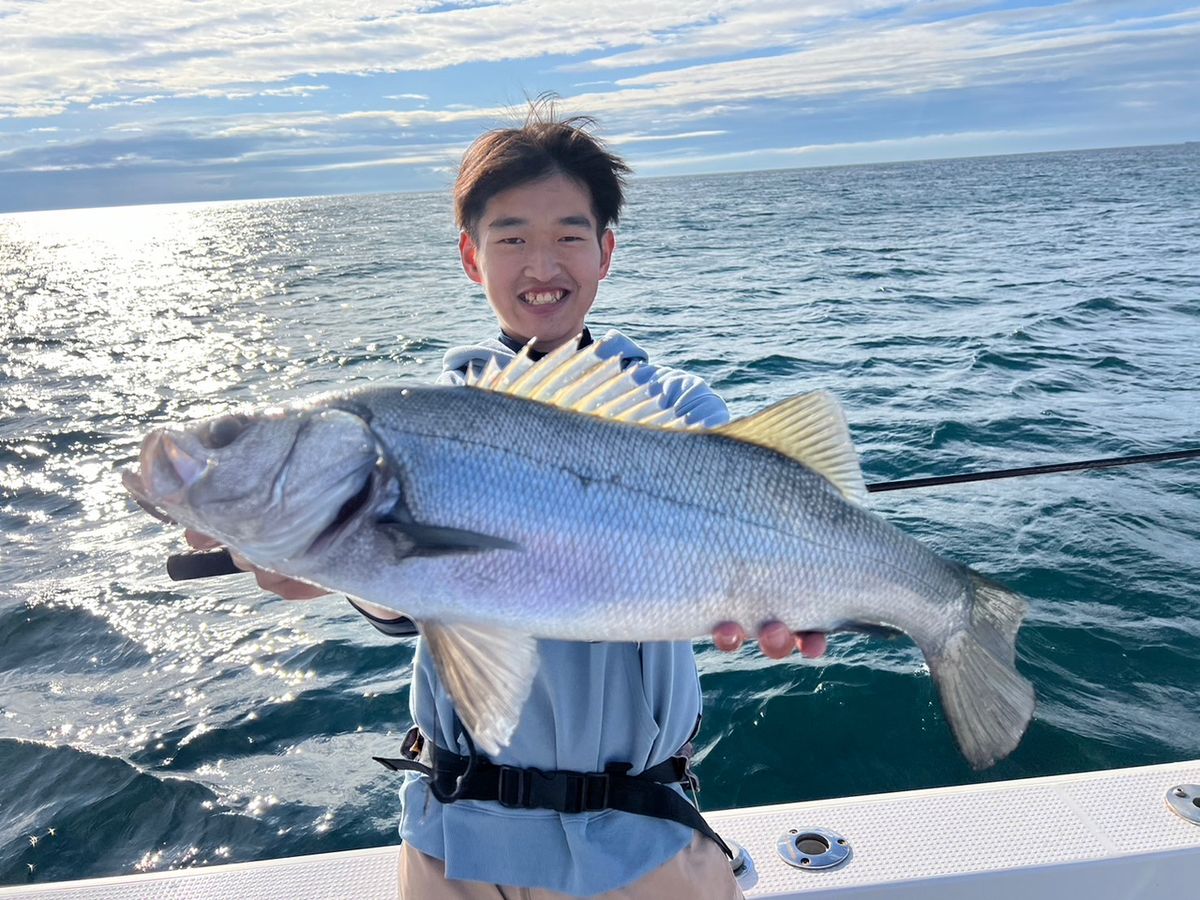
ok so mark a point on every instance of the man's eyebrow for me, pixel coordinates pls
(576, 221)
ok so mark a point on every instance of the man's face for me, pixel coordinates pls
(539, 259)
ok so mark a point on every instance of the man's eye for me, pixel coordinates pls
(512, 240)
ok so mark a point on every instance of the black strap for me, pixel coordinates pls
(400, 626)
(453, 777)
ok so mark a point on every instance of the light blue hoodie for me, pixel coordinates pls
(591, 704)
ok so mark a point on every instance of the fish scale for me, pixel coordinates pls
(494, 516)
(644, 523)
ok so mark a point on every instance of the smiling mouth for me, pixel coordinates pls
(543, 298)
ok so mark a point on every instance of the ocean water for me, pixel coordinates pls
(971, 314)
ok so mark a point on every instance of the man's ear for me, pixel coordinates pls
(608, 243)
(469, 254)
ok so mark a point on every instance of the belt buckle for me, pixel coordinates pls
(414, 743)
(593, 791)
(512, 787)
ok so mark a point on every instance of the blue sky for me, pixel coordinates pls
(111, 102)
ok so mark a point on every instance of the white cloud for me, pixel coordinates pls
(428, 160)
(621, 139)
(181, 47)
(940, 144)
(146, 100)
(296, 90)
(265, 80)
(696, 51)
(905, 59)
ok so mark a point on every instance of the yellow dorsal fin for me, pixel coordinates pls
(590, 381)
(812, 430)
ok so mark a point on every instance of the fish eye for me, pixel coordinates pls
(222, 432)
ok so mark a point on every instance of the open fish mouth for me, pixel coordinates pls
(166, 470)
(133, 483)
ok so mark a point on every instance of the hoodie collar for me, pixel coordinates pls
(516, 346)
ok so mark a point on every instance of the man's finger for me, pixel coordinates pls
(811, 643)
(728, 636)
(199, 541)
(776, 640)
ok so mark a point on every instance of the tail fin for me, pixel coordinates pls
(987, 702)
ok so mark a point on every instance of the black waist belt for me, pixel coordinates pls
(453, 777)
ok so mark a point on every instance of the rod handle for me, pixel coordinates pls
(186, 566)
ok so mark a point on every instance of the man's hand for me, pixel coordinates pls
(287, 588)
(774, 639)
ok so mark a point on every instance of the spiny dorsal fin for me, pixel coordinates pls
(590, 381)
(812, 430)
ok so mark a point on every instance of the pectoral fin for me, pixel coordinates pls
(488, 673)
(436, 540)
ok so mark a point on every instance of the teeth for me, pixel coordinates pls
(541, 298)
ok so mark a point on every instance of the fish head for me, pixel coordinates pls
(279, 487)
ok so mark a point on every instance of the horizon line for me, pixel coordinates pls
(634, 177)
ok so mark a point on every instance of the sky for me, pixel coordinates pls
(114, 102)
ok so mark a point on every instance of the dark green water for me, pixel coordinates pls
(972, 314)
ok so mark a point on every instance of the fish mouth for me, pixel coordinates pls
(167, 469)
(133, 483)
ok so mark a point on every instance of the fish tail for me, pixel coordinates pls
(987, 701)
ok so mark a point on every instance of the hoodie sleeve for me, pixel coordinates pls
(692, 398)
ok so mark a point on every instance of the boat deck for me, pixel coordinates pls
(1105, 835)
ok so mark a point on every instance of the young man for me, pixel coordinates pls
(535, 206)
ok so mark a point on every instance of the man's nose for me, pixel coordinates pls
(542, 262)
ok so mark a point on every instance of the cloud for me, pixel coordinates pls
(164, 150)
(621, 139)
(937, 144)
(985, 49)
(296, 90)
(181, 48)
(450, 156)
(146, 100)
(386, 88)
(669, 55)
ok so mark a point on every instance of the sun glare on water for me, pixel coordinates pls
(112, 320)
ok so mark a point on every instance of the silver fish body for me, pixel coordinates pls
(494, 519)
(629, 533)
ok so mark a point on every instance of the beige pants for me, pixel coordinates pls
(697, 872)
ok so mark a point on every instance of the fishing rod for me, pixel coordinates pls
(1108, 463)
(210, 564)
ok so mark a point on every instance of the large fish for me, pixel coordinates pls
(563, 499)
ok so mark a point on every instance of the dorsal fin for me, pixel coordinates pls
(590, 381)
(812, 430)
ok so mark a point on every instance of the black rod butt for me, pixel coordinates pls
(186, 566)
